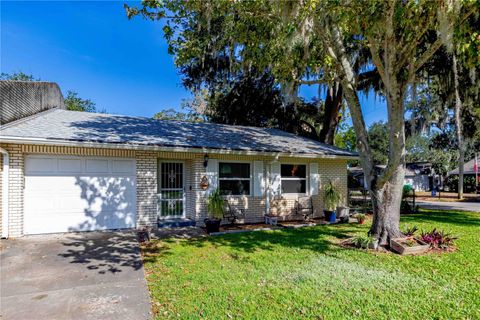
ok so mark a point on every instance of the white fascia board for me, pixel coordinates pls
(126, 146)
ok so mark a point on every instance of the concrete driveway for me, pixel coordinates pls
(92, 275)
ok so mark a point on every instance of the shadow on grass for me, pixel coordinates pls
(459, 218)
(318, 239)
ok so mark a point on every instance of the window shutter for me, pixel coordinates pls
(258, 179)
(314, 179)
(276, 179)
(212, 175)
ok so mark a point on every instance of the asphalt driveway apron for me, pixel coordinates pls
(91, 275)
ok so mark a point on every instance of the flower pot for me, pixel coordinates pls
(361, 221)
(328, 215)
(343, 214)
(212, 225)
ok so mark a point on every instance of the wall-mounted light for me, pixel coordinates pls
(205, 160)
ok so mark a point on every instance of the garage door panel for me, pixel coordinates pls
(69, 166)
(79, 201)
(34, 165)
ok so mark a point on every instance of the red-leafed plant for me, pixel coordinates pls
(438, 239)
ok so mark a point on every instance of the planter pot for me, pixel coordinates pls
(212, 225)
(361, 221)
(343, 213)
(328, 215)
(400, 245)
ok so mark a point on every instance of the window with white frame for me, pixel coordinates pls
(234, 178)
(294, 178)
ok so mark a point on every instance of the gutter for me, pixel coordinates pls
(5, 192)
(87, 144)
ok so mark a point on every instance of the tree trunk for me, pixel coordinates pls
(459, 129)
(332, 106)
(386, 202)
(386, 189)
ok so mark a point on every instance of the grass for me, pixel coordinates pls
(302, 273)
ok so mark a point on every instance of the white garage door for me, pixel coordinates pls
(64, 194)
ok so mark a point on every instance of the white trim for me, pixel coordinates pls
(5, 192)
(126, 146)
(184, 193)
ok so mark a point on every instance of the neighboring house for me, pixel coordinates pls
(76, 171)
(420, 175)
(468, 169)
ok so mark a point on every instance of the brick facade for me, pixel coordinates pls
(146, 180)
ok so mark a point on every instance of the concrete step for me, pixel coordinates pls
(175, 223)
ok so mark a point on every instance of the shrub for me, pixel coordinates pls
(410, 231)
(362, 242)
(438, 239)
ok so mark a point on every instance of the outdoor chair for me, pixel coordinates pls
(304, 207)
(231, 213)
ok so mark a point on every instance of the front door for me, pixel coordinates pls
(171, 196)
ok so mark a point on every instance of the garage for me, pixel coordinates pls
(66, 194)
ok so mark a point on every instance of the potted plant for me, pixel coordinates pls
(215, 211)
(360, 218)
(331, 198)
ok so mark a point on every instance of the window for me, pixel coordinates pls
(294, 178)
(234, 178)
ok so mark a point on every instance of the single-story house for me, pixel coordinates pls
(76, 171)
(420, 175)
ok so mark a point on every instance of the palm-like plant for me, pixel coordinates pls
(215, 204)
(331, 196)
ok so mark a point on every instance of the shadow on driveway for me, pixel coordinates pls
(91, 275)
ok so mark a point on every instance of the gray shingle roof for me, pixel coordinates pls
(94, 127)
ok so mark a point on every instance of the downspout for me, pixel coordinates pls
(5, 193)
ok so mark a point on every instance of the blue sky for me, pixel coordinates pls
(92, 48)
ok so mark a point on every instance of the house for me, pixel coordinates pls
(76, 171)
(470, 173)
(420, 175)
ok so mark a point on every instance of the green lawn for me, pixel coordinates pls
(302, 273)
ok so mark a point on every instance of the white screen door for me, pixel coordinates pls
(171, 196)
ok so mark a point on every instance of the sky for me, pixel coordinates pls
(92, 48)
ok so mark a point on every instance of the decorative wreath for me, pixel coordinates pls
(204, 183)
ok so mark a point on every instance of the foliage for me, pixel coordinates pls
(306, 266)
(346, 139)
(438, 239)
(18, 76)
(362, 242)
(378, 136)
(410, 231)
(74, 103)
(360, 217)
(172, 114)
(215, 204)
(452, 183)
(331, 196)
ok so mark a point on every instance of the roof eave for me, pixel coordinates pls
(89, 144)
